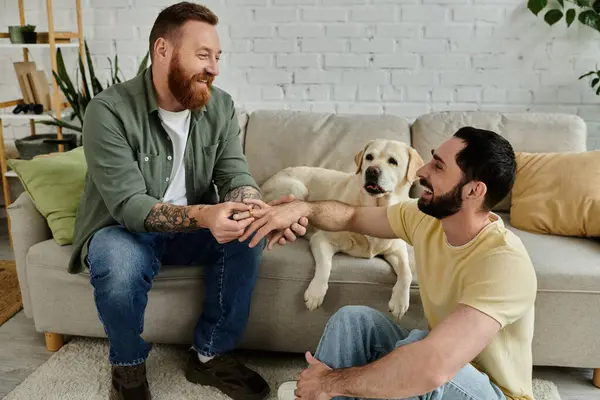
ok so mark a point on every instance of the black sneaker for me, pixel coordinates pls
(229, 376)
(130, 383)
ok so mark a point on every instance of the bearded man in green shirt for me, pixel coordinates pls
(166, 173)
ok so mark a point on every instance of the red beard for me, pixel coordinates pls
(186, 90)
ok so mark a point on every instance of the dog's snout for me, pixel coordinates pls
(373, 172)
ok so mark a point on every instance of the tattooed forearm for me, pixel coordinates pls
(166, 217)
(240, 193)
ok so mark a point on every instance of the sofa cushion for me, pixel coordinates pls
(562, 263)
(527, 132)
(287, 262)
(55, 184)
(557, 193)
(279, 139)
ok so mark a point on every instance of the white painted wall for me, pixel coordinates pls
(405, 57)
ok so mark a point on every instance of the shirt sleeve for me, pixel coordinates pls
(231, 167)
(503, 286)
(404, 218)
(112, 165)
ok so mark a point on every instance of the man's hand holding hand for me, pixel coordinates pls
(270, 219)
(217, 218)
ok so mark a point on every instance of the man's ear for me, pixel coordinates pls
(476, 190)
(414, 163)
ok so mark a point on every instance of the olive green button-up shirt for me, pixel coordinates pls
(129, 158)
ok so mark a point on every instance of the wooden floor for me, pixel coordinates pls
(22, 350)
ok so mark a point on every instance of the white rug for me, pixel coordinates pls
(80, 371)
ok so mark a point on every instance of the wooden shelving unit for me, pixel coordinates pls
(58, 108)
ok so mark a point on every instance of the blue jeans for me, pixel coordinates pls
(122, 268)
(358, 335)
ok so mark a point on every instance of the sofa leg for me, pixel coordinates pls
(54, 341)
(596, 378)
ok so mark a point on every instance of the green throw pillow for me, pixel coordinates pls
(55, 184)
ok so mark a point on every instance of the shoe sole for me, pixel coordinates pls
(204, 380)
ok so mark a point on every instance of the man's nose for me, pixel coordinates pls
(213, 68)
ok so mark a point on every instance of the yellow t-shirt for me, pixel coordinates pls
(492, 273)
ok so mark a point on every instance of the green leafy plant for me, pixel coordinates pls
(79, 97)
(587, 12)
(28, 28)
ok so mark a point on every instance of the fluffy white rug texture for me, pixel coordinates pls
(80, 371)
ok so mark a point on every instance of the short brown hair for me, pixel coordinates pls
(170, 19)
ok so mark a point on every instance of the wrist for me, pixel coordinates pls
(329, 384)
(200, 213)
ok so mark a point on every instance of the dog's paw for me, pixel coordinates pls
(315, 294)
(399, 302)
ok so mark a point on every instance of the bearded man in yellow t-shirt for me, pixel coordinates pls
(476, 281)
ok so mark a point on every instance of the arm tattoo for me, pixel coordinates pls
(240, 193)
(165, 217)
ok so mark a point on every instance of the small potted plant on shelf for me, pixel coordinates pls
(15, 34)
(29, 34)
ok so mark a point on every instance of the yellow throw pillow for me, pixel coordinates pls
(557, 193)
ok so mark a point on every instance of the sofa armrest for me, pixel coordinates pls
(27, 227)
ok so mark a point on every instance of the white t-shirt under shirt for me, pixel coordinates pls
(177, 125)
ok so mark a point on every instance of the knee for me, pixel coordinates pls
(119, 263)
(353, 316)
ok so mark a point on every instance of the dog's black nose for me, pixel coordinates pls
(373, 172)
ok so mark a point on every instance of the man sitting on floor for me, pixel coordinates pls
(154, 146)
(476, 281)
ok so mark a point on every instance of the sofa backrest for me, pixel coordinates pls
(279, 139)
(527, 132)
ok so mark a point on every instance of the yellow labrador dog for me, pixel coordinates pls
(385, 172)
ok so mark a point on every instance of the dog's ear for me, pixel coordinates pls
(414, 163)
(358, 158)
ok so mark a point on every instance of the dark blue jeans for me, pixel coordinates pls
(122, 268)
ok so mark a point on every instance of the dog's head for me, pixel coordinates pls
(387, 165)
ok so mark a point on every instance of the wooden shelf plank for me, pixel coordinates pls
(6, 115)
(9, 45)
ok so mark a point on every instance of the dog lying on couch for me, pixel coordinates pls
(386, 170)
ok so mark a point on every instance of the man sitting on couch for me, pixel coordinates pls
(154, 146)
(476, 281)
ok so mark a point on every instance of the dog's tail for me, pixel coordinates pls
(283, 184)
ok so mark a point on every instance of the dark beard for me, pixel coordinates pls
(184, 88)
(444, 205)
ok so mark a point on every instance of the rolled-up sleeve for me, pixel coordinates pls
(113, 167)
(231, 167)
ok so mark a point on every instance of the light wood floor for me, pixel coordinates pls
(22, 350)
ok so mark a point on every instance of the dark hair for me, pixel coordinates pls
(170, 19)
(489, 158)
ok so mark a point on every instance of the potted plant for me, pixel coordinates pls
(29, 34)
(14, 34)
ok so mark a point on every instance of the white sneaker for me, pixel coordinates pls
(286, 391)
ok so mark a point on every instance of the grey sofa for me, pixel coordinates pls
(568, 269)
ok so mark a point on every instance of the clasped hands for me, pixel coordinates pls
(240, 220)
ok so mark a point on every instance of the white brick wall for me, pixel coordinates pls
(405, 57)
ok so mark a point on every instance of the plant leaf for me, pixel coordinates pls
(587, 74)
(570, 16)
(595, 82)
(598, 91)
(590, 18)
(96, 87)
(142, 66)
(535, 6)
(562, 3)
(553, 16)
(61, 123)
